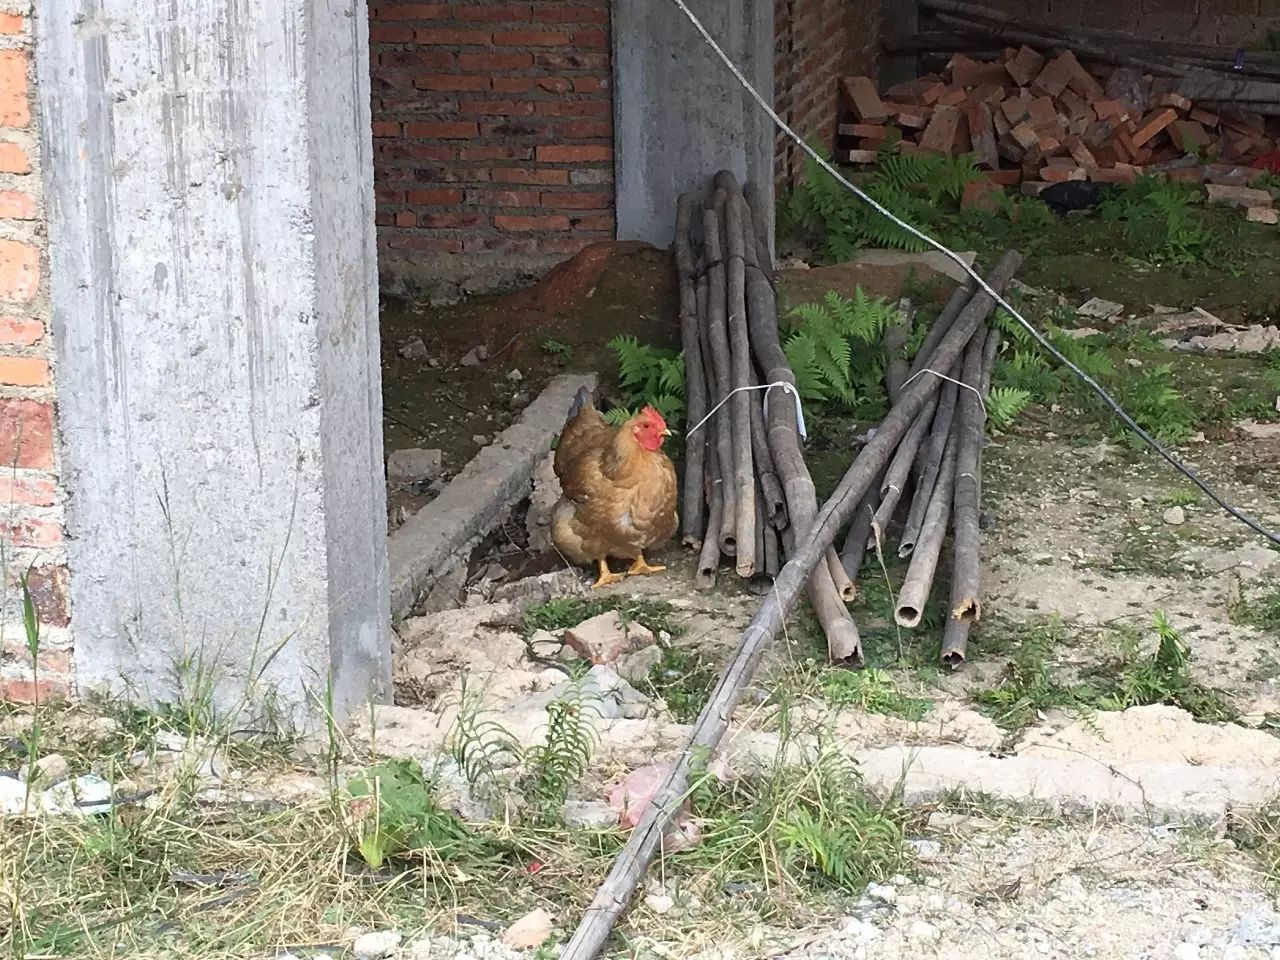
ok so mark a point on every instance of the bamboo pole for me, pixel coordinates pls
(693, 498)
(744, 477)
(709, 557)
(970, 415)
(718, 341)
(628, 869)
(930, 462)
(924, 559)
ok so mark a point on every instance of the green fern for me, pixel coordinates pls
(1160, 223)
(836, 349)
(648, 375)
(1004, 404)
(560, 761)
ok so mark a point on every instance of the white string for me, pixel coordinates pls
(766, 387)
(985, 287)
(959, 383)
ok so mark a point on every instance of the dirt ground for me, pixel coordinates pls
(1079, 544)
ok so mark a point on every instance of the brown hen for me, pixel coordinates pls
(619, 490)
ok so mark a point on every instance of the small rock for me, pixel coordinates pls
(882, 892)
(515, 376)
(927, 851)
(51, 769)
(415, 349)
(589, 816)
(414, 463)
(479, 439)
(605, 638)
(1132, 362)
(13, 796)
(636, 667)
(925, 932)
(104, 728)
(529, 931)
(1174, 516)
(474, 357)
(1099, 309)
(375, 946)
(659, 903)
(83, 796)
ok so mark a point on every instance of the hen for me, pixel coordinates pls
(619, 490)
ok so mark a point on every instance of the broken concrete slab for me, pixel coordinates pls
(437, 538)
(1096, 308)
(932, 259)
(1252, 339)
(605, 638)
(414, 463)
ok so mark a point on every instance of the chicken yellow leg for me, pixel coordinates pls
(607, 576)
(640, 567)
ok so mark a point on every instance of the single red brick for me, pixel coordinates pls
(435, 198)
(32, 491)
(574, 108)
(409, 11)
(453, 38)
(552, 14)
(601, 222)
(531, 38)
(525, 84)
(48, 586)
(11, 23)
(590, 84)
(577, 200)
(406, 218)
(556, 60)
(566, 245)
(17, 205)
(436, 60)
(495, 108)
(496, 152)
(386, 128)
(559, 153)
(417, 241)
(431, 151)
(24, 371)
(524, 175)
(590, 39)
(501, 245)
(490, 62)
(31, 532)
(585, 129)
(13, 159)
(19, 271)
(485, 11)
(26, 433)
(451, 82)
(20, 331)
(444, 129)
(385, 34)
(14, 109)
(524, 223)
(24, 691)
(464, 221)
(502, 198)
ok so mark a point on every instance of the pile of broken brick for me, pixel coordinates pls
(1032, 120)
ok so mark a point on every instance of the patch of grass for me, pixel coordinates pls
(1259, 834)
(873, 691)
(1132, 680)
(806, 826)
(1261, 611)
(563, 612)
(1030, 685)
(1181, 498)
(683, 680)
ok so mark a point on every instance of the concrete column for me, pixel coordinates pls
(678, 113)
(214, 289)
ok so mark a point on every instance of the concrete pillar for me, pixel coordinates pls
(678, 113)
(214, 293)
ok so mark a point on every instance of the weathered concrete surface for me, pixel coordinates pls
(678, 113)
(214, 291)
(1136, 789)
(438, 536)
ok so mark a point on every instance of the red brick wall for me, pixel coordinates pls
(31, 527)
(815, 43)
(493, 129)
(1225, 22)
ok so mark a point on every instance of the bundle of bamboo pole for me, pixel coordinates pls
(747, 493)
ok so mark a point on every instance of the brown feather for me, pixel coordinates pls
(619, 498)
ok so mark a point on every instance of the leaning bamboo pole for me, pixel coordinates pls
(614, 894)
(693, 498)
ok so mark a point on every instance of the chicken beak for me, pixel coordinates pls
(666, 433)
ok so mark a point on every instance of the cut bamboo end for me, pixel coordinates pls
(909, 614)
(968, 610)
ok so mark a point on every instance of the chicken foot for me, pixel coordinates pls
(640, 567)
(607, 576)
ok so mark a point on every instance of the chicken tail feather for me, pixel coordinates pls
(581, 400)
